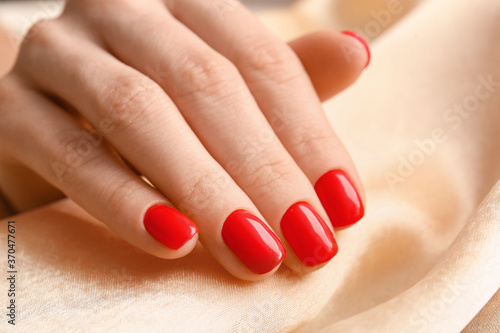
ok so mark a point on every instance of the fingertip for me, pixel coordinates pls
(333, 60)
(308, 236)
(176, 234)
(340, 198)
(362, 49)
(160, 250)
(252, 277)
(184, 250)
(252, 242)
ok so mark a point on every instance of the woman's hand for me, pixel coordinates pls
(198, 97)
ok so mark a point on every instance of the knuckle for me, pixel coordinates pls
(43, 34)
(73, 151)
(208, 75)
(131, 100)
(122, 192)
(99, 13)
(200, 187)
(275, 59)
(119, 3)
(271, 171)
(312, 144)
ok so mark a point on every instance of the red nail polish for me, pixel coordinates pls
(253, 242)
(339, 198)
(169, 226)
(308, 235)
(362, 41)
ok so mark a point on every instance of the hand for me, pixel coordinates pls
(215, 112)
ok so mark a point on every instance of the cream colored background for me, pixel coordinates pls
(424, 259)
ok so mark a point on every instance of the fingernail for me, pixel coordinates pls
(252, 241)
(340, 199)
(362, 41)
(308, 235)
(169, 226)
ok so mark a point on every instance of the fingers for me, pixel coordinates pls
(228, 129)
(220, 109)
(285, 95)
(332, 60)
(45, 138)
(146, 128)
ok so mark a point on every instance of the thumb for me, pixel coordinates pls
(334, 60)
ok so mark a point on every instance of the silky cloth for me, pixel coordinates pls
(423, 127)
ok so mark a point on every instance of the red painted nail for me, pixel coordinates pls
(308, 235)
(169, 226)
(252, 241)
(362, 41)
(339, 198)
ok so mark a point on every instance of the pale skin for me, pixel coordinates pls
(196, 96)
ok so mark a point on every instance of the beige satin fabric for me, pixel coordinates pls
(488, 319)
(425, 258)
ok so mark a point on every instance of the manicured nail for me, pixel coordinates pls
(169, 226)
(308, 235)
(340, 199)
(253, 242)
(362, 41)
